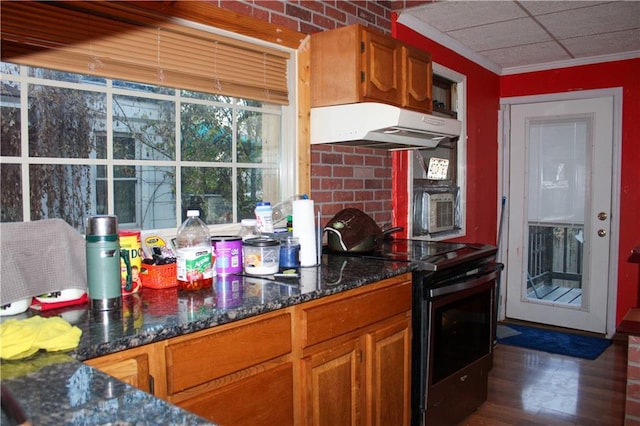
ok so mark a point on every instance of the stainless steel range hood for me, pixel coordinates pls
(376, 125)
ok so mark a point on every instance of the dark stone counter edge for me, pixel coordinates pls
(85, 352)
(58, 389)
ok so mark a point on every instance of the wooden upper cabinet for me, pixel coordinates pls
(382, 75)
(356, 64)
(417, 75)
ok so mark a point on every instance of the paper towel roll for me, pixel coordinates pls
(304, 229)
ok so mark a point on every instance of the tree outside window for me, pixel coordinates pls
(145, 153)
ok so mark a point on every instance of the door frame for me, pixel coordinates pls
(504, 186)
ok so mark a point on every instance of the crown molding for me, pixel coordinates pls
(571, 63)
(431, 33)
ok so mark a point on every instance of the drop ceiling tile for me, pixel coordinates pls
(544, 7)
(579, 22)
(504, 34)
(538, 53)
(601, 44)
(452, 15)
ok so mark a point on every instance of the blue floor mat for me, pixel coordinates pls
(556, 342)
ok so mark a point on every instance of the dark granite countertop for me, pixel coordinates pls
(58, 389)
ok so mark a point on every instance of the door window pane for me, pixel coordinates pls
(557, 155)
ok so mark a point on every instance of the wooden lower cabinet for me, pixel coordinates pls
(132, 366)
(339, 360)
(332, 385)
(262, 399)
(388, 364)
(356, 356)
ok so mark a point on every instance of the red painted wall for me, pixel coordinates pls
(597, 76)
(483, 103)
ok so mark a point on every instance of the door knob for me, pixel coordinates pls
(602, 216)
(602, 233)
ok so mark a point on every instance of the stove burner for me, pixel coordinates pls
(428, 255)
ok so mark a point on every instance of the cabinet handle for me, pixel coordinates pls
(152, 389)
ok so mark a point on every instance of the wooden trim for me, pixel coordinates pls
(304, 117)
(208, 14)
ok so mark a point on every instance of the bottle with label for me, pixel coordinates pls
(193, 254)
(264, 217)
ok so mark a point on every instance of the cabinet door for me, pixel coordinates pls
(130, 366)
(332, 392)
(417, 73)
(263, 399)
(388, 363)
(381, 78)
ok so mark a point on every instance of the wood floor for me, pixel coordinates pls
(529, 388)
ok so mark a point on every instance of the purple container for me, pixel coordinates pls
(229, 291)
(228, 252)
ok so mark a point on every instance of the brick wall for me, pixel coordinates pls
(632, 406)
(312, 16)
(340, 177)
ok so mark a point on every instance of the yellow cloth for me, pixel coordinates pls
(22, 338)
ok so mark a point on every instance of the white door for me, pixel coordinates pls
(560, 174)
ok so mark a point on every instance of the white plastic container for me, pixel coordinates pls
(261, 256)
(264, 217)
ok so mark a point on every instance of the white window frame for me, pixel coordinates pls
(461, 172)
(287, 166)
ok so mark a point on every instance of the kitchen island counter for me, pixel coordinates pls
(60, 389)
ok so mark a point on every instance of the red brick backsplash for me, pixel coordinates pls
(344, 177)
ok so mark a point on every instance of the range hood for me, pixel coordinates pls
(376, 125)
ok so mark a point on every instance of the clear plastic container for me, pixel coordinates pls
(193, 254)
(290, 253)
(248, 229)
(284, 209)
(261, 255)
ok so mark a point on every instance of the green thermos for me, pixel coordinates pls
(103, 263)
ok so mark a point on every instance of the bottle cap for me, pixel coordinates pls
(263, 203)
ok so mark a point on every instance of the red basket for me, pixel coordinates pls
(159, 276)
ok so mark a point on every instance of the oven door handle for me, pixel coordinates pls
(465, 285)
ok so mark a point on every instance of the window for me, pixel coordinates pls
(144, 153)
(449, 93)
(90, 128)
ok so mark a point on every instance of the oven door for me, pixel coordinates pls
(456, 332)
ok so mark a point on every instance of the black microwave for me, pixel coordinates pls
(434, 211)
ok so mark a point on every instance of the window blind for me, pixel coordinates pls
(114, 40)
